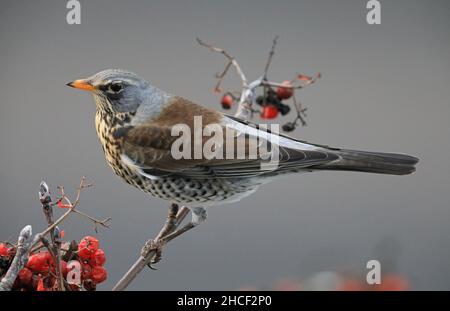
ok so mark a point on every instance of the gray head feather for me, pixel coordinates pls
(123, 91)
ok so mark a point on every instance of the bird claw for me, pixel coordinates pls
(156, 258)
(152, 245)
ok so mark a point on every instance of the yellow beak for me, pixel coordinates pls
(82, 85)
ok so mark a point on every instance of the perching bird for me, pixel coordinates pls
(134, 122)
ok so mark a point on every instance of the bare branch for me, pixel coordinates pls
(20, 259)
(103, 222)
(54, 248)
(220, 77)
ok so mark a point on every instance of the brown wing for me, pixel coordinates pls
(149, 145)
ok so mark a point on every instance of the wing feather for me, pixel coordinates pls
(148, 147)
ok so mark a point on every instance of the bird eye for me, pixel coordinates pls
(115, 87)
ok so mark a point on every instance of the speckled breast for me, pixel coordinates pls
(176, 189)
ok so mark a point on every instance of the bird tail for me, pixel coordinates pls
(371, 162)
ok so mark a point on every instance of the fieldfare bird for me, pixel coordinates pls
(135, 123)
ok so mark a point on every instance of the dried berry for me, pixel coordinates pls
(284, 109)
(288, 127)
(270, 97)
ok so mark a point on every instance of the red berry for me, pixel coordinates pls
(227, 101)
(87, 247)
(25, 276)
(99, 274)
(98, 259)
(269, 112)
(4, 250)
(40, 262)
(285, 92)
(84, 253)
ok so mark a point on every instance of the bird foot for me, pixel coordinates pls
(156, 246)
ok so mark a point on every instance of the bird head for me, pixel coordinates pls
(115, 90)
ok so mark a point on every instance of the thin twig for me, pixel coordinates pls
(300, 111)
(266, 68)
(71, 208)
(292, 86)
(269, 59)
(103, 223)
(232, 61)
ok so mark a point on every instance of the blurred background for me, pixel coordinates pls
(384, 88)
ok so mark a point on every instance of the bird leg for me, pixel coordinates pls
(198, 216)
(175, 217)
(172, 223)
(169, 226)
(169, 231)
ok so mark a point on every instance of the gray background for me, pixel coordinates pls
(384, 88)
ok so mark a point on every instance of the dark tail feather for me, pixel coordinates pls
(372, 162)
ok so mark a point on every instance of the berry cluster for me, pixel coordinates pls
(273, 101)
(270, 101)
(92, 259)
(81, 265)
